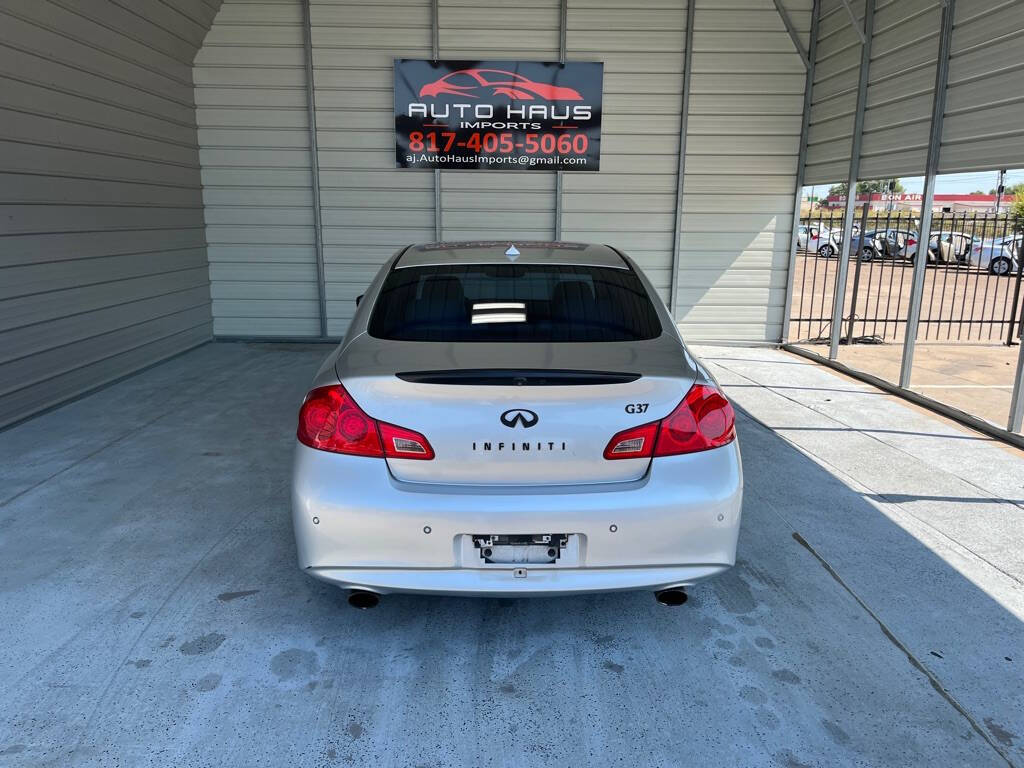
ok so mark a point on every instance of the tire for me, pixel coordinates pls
(1000, 266)
(867, 253)
(827, 250)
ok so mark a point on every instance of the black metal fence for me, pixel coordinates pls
(972, 289)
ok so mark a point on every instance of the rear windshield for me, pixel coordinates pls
(513, 302)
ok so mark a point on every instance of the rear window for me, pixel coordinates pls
(513, 302)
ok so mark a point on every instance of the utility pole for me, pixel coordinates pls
(999, 190)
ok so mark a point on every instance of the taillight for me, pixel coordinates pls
(703, 420)
(911, 241)
(330, 420)
(402, 443)
(633, 443)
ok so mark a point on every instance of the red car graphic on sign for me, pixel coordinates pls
(496, 82)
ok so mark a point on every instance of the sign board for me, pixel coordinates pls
(498, 115)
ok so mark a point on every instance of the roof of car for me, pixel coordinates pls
(511, 251)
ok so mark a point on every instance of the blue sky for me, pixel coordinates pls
(954, 183)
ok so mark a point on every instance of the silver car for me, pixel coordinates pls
(513, 420)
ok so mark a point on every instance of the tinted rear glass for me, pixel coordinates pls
(513, 302)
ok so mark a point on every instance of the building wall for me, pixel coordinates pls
(743, 137)
(982, 127)
(370, 208)
(102, 251)
(742, 141)
(251, 109)
(834, 93)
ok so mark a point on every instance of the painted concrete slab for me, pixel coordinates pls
(153, 614)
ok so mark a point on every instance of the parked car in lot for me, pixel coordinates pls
(885, 243)
(1000, 256)
(818, 239)
(514, 421)
(952, 247)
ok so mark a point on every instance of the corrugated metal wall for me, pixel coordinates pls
(370, 208)
(984, 123)
(631, 203)
(901, 86)
(983, 127)
(743, 137)
(741, 162)
(102, 252)
(834, 95)
(250, 92)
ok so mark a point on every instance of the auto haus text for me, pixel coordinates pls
(509, 117)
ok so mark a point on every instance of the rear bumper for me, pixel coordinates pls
(356, 526)
(501, 582)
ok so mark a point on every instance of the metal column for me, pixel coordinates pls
(562, 21)
(801, 168)
(851, 190)
(931, 169)
(436, 48)
(673, 299)
(314, 167)
(1016, 421)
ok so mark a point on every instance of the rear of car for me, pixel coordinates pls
(818, 239)
(1000, 256)
(511, 421)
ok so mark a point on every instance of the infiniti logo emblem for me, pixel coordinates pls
(519, 416)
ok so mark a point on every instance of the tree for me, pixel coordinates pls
(878, 186)
(979, 192)
(1015, 190)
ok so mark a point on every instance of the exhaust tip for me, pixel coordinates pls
(363, 600)
(671, 597)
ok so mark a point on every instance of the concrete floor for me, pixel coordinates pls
(975, 379)
(153, 614)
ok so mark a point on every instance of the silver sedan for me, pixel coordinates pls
(512, 420)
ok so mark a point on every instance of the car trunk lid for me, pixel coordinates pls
(527, 423)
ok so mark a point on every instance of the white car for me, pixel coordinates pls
(512, 421)
(1000, 256)
(955, 248)
(817, 239)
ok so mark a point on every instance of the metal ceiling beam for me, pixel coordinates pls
(314, 167)
(931, 170)
(562, 21)
(801, 168)
(861, 33)
(673, 299)
(793, 34)
(851, 190)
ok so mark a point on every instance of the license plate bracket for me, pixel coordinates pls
(538, 549)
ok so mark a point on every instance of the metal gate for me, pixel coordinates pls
(972, 289)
